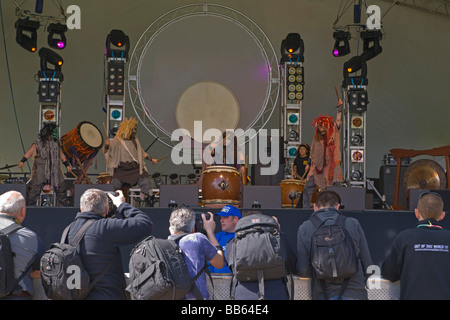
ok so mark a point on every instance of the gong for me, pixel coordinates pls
(424, 174)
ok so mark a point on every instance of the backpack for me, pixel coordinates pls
(158, 271)
(257, 252)
(7, 280)
(333, 254)
(63, 260)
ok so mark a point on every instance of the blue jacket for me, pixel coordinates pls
(101, 245)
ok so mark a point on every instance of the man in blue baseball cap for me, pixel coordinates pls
(229, 216)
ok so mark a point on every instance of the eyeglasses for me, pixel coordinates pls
(429, 192)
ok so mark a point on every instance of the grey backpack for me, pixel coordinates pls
(57, 263)
(158, 271)
(258, 252)
(7, 280)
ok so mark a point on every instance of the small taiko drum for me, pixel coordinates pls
(291, 190)
(83, 141)
(221, 185)
(104, 178)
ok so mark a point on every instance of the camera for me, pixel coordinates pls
(199, 222)
(112, 207)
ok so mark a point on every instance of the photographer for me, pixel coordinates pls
(100, 247)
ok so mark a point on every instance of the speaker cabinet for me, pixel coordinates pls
(387, 184)
(181, 195)
(264, 197)
(351, 198)
(81, 188)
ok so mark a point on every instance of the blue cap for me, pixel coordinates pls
(229, 211)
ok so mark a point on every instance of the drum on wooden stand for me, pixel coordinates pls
(221, 185)
(104, 178)
(291, 190)
(83, 141)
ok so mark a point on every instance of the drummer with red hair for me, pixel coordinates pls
(325, 169)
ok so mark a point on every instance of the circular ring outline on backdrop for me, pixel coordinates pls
(272, 92)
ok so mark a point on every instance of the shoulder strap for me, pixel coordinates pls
(11, 229)
(80, 233)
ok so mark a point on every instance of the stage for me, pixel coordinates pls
(380, 226)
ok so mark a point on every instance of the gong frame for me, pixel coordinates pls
(192, 10)
(409, 153)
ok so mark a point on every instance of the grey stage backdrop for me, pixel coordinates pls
(408, 82)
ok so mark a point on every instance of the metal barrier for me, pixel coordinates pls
(378, 288)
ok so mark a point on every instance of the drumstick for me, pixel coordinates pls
(337, 93)
(104, 127)
(76, 177)
(162, 158)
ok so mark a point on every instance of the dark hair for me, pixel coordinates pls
(327, 198)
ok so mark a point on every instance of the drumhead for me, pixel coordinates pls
(91, 135)
(209, 102)
(220, 168)
(291, 181)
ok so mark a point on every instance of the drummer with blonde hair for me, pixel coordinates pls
(125, 159)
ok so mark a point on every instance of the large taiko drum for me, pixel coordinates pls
(291, 190)
(84, 140)
(221, 185)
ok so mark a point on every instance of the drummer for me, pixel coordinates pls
(301, 162)
(226, 152)
(325, 168)
(46, 169)
(301, 167)
(125, 159)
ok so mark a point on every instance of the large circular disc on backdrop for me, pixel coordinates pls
(203, 63)
(211, 103)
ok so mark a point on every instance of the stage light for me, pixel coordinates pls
(117, 44)
(48, 56)
(341, 43)
(354, 65)
(371, 44)
(26, 34)
(292, 48)
(56, 36)
(357, 100)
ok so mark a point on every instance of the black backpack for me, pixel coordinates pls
(158, 271)
(7, 280)
(57, 267)
(257, 252)
(333, 253)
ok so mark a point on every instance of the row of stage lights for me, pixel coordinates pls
(371, 48)
(26, 34)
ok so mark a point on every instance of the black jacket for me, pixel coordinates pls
(356, 288)
(420, 259)
(101, 245)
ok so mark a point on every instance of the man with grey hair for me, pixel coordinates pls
(197, 247)
(26, 245)
(100, 247)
